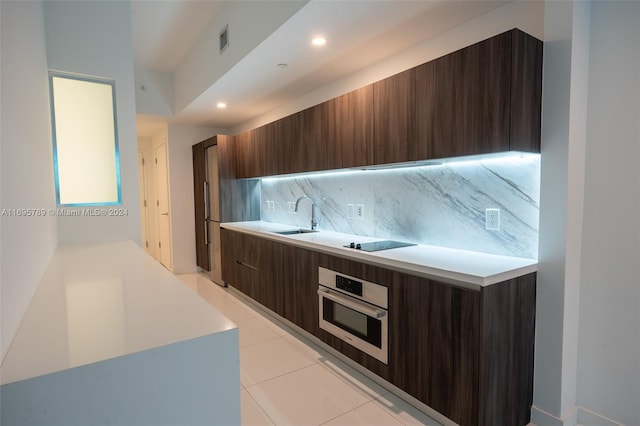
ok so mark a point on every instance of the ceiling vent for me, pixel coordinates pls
(224, 38)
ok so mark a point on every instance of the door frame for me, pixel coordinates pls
(162, 174)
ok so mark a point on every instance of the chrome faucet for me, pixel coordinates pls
(313, 210)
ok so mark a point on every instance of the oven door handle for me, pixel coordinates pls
(352, 303)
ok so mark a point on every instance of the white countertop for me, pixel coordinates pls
(460, 267)
(101, 301)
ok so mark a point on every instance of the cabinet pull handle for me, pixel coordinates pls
(246, 265)
(349, 302)
(206, 200)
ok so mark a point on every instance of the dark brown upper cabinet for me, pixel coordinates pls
(350, 128)
(312, 151)
(394, 122)
(271, 149)
(482, 99)
(281, 153)
(337, 134)
(485, 98)
(332, 135)
(245, 163)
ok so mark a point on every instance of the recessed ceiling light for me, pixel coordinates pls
(282, 65)
(319, 41)
(221, 105)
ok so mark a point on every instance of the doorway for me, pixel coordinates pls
(144, 204)
(162, 205)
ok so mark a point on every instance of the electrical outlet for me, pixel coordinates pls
(350, 211)
(360, 211)
(492, 219)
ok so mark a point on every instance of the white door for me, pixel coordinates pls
(162, 204)
(144, 205)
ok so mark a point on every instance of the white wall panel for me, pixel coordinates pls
(27, 162)
(94, 38)
(609, 335)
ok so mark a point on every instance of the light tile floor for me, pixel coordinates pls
(286, 380)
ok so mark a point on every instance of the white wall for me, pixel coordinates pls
(561, 191)
(181, 138)
(27, 163)
(609, 336)
(94, 38)
(154, 93)
(250, 22)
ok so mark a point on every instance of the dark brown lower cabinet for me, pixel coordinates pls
(254, 266)
(435, 348)
(468, 354)
(199, 179)
(507, 335)
(301, 287)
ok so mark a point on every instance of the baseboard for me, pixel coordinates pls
(576, 415)
(589, 418)
(540, 417)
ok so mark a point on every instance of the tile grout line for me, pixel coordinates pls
(259, 406)
(281, 375)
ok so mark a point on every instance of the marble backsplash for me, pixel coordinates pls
(441, 205)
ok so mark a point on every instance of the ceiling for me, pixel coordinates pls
(359, 32)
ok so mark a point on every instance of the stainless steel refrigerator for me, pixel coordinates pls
(212, 212)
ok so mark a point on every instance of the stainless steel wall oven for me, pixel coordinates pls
(355, 311)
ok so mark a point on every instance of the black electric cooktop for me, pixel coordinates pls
(379, 245)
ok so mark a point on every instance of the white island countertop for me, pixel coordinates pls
(459, 267)
(98, 302)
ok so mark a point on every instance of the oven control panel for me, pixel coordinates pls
(373, 293)
(349, 285)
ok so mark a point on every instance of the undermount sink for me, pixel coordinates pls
(295, 231)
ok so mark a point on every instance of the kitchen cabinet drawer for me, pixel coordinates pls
(254, 266)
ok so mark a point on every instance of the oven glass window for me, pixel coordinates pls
(350, 318)
(365, 327)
